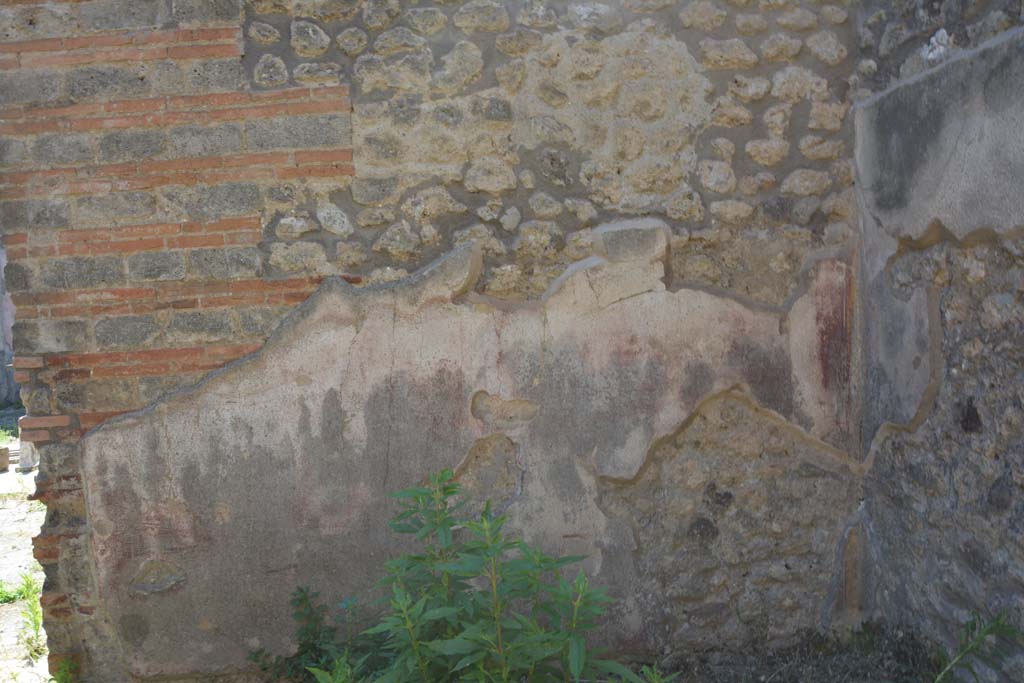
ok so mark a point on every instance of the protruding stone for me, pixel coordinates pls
(703, 15)
(768, 152)
(819, 149)
(834, 15)
(263, 34)
(398, 242)
(537, 14)
(352, 41)
(731, 211)
(510, 76)
(716, 176)
(431, 203)
(582, 209)
(795, 83)
(729, 113)
(295, 225)
(685, 205)
(270, 71)
(827, 116)
(299, 257)
(536, 239)
(398, 39)
(750, 24)
(595, 16)
(586, 60)
(460, 67)
(404, 71)
(490, 210)
(317, 73)
(510, 219)
(308, 39)
(481, 15)
(797, 20)
(780, 47)
(374, 217)
(490, 174)
(482, 235)
(334, 220)
(826, 46)
(749, 89)
(732, 53)
(776, 119)
(544, 205)
(749, 185)
(518, 41)
(804, 182)
(378, 14)
(426, 20)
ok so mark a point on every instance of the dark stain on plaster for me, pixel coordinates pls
(702, 530)
(698, 382)
(970, 420)
(717, 501)
(133, 629)
(906, 123)
(769, 373)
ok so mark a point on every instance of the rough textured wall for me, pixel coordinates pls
(943, 279)
(521, 124)
(179, 174)
(676, 439)
(899, 39)
(137, 169)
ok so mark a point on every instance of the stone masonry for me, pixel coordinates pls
(625, 266)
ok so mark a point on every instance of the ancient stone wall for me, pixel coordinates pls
(942, 273)
(272, 259)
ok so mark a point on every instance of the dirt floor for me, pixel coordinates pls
(874, 654)
(20, 520)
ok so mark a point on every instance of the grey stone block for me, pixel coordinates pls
(112, 82)
(201, 141)
(223, 264)
(80, 272)
(329, 130)
(156, 265)
(30, 87)
(25, 214)
(126, 332)
(206, 11)
(63, 148)
(132, 145)
(50, 336)
(202, 325)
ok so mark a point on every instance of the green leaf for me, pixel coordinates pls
(440, 613)
(577, 656)
(320, 675)
(612, 668)
(453, 646)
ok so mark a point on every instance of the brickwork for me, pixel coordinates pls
(137, 168)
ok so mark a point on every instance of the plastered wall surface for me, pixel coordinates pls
(614, 262)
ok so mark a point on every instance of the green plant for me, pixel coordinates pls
(8, 434)
(477, 605)
(316, 637)
(981, 640)
(342, 671)
(473, 604)
(66, 671)
(651, 674)
(31, 636)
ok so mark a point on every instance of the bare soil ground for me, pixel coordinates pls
(20, 520)
(874, 654)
